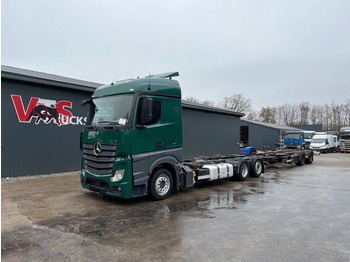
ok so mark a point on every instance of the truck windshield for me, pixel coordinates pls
(318, 140)
(292, 137)
(111, 110)
(344, 135)
(308, 135)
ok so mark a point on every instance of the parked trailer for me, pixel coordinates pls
(288, 156)
(132, 143)
(239, 167)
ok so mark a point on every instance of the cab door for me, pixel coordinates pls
(157, 124)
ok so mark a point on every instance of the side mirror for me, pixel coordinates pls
(145, 112)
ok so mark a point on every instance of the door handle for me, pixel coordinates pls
(160, 144)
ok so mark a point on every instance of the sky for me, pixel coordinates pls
(271, 51)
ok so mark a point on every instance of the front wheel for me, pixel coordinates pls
(309, 159)
(161, 184)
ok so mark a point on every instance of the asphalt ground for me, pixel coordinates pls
(288, 214)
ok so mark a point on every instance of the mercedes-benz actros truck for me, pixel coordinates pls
(132, 143)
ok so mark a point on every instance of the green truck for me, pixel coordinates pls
(132, 143)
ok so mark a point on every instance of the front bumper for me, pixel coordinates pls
(102, 183)
(321, 150)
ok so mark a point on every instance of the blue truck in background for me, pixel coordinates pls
(294, 140)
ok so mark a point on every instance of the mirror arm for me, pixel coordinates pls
(85, 102)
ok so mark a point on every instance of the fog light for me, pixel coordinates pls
(83, 172)
(118, 175)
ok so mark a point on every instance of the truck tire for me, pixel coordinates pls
(301, 161)
(256, 167)
(161, 184)
(309, 159)
(243, 171)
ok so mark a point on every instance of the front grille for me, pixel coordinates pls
(291, 145)
(347, 145)
(102, 164)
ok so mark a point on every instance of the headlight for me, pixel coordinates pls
(118, 175)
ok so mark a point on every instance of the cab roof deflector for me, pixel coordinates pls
(165, 75)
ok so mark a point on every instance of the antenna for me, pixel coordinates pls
(149, 81)
(114, 79)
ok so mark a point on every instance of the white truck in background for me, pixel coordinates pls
(344, 139)
(323, 143)
(336, 138)
(308, 135)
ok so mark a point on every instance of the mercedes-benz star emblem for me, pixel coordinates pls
(97, 148)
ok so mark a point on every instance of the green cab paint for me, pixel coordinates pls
(119, 153)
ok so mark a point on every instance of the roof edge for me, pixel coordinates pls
(272, 126)
(202, 107)
(20, 74)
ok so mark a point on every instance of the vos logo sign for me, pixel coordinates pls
(46, 111)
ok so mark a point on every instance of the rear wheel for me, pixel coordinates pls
(243, 171)
(256, 167)
(161, 184)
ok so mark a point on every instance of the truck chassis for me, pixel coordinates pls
(236, 167)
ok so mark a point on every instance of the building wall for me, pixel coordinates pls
(29, 148)
(263, 136)
(32, 143)
(260, 136)
(206, 133)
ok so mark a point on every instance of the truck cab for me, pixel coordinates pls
(344, 139)
(308, 137)
(133, 134)
(294, 140)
